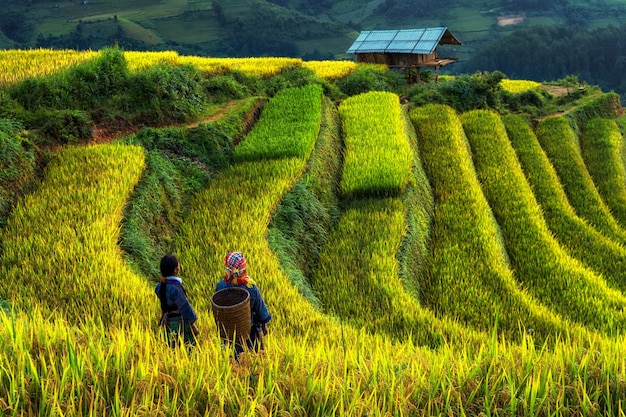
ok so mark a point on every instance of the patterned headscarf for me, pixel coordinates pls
(235, 270)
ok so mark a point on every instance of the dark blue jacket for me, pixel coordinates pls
(177, 299)
(260, 313)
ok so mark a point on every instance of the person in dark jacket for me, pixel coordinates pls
(235, 274)
(177, 315)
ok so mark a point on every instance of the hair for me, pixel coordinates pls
(168, 265)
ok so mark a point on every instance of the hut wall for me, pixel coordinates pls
(372, 58)
(396, 60)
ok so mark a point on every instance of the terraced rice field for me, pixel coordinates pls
(516, 306)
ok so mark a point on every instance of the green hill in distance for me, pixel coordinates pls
(284, 27)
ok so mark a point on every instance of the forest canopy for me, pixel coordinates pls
(546, 53)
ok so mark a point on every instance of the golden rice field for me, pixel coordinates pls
(17, 65)
(518, 86)
(511, 317)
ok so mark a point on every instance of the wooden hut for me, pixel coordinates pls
(404, 49)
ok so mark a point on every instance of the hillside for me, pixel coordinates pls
(281, 27)
(566, 37)
(439, 257)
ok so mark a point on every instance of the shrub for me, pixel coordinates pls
(223, 88)
(289, 77)
(369, 78)
(166, 93)
(17, 165)
(64, 126)
(463, 93)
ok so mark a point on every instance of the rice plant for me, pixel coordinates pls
(548, 272)
(601, 144)
(288, 127)
(378, 158)
(581, 239)
(60, 244)
(470, 275)
(559, 141)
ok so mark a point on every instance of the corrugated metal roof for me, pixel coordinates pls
(409, 41)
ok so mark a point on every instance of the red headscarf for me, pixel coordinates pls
(235, 270)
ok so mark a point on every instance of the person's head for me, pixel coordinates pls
(169, 266)
(234, 265)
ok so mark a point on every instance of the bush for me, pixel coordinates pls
(167, 93)
(205, 144)
(64, 126)
(84, 86)
(223, 88)
(289, 77)
(531, 98)
(369, 78)
(17, 165)
(463, 93)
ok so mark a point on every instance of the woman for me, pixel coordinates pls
(235, 274)
(178, 317)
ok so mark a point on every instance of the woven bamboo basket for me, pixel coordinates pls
(231, 310)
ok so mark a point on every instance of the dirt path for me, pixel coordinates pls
(107, 134)
(214, 117)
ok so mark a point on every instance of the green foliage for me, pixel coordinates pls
(102, 89)
(205, 144)
(223, 88)
(606, 105)
(166, 93)
(290, 77)
(17, 166)
(370, 78)
(157, 207)
(85, 86)
(63, 126)
(96, 80)
(10, 108)
(463, 93)
(529, 101)
(288, 126)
